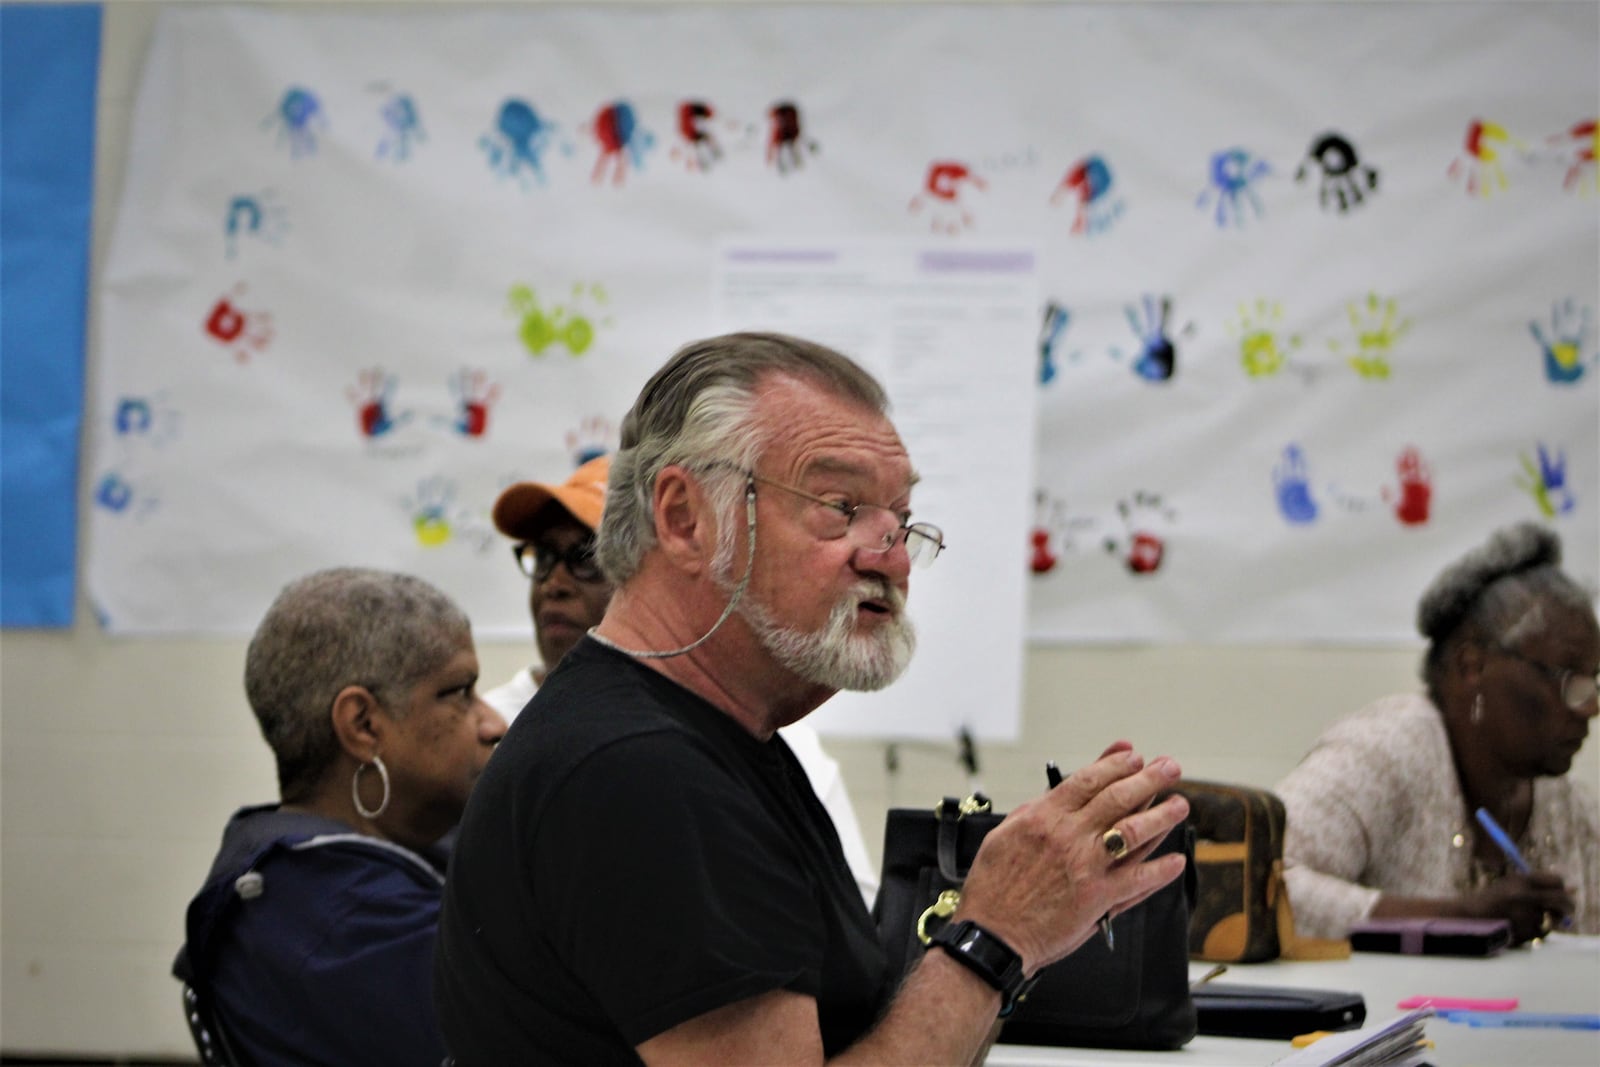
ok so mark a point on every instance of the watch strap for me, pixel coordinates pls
(987, 955)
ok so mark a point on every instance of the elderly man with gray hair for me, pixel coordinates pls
(644, 873)
(553, 527)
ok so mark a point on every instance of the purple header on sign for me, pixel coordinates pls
(782, 255)
(983, 262)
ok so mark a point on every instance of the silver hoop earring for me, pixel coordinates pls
(1477, 709)
(355, 789)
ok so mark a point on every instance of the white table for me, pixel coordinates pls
(1561, 975)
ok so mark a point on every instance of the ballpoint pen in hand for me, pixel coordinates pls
(1513, 855)
(1502, 840)
(1052, 774)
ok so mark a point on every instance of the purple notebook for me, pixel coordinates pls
(1432, 937)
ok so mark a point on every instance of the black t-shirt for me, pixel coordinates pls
(632, 858)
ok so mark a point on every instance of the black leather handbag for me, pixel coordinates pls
(1135, 996)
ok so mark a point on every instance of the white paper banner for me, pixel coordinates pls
(1317, 284)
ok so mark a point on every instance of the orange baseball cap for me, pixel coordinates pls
(516, 512)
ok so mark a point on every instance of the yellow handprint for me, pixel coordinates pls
(1377, 327)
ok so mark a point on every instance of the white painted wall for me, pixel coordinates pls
(120, 759)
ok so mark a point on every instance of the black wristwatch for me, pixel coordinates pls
(989, 957)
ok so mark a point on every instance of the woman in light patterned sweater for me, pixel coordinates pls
(1381, 810)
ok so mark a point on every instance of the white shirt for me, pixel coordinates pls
(509, 699)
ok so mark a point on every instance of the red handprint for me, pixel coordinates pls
(944, 179)
(1145, 552)
(942, 188)
(699, 148)
(1416, 488)
(1043, 561)
(226, 322)
(247, 331)
(784, 138)
(1582, 141)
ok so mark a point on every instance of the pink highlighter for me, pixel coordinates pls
(1460, 1003)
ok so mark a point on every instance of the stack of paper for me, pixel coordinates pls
(1399, 1042)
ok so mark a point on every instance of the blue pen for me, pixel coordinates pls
(1510, 1019)
(1513, 856)
(1502, 839)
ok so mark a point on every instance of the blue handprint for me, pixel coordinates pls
(133, 415)
(118, 495)
(517, 144)
(113, 493)
(1293, 487)
(1055, 322)
(297, 118)
(402, 127)
(1564, 347)
(1157, 355)
(1233, 174)
(258, 216)
(146, 418)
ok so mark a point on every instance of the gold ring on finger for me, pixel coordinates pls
(1115, 844)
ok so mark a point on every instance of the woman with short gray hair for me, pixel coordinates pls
(1383, 812)
(311, 941)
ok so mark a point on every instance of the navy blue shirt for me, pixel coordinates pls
(314, 944)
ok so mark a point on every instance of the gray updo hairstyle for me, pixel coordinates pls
(1495, 595)
(697, 411)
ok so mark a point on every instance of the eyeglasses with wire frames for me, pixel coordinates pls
(924, 541)
(537, 561)
(1577, 689)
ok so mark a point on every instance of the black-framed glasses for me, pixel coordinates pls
(1576, 688)
(863, 526)
(537, 561)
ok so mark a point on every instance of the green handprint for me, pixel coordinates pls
(539, 329)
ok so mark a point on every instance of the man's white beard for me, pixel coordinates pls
(837, 656)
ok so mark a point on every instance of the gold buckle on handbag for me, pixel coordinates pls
(942, 908)
(972, 804)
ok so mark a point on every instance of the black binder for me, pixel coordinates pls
(1229, 1009)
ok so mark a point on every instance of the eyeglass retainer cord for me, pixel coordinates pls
(733, 601)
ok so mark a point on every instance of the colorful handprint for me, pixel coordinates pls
(1546, 483)
(474, 397)
(1567, 346)
(371, 396)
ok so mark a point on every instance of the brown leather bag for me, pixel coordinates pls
(1242, 912)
